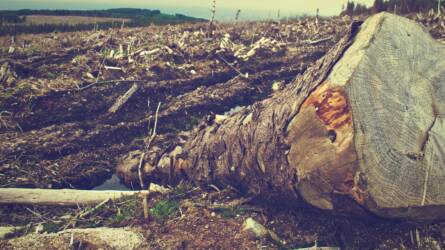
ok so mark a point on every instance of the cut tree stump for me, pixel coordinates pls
(59, 197)
(363, 128)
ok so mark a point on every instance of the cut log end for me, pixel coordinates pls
(373, 129)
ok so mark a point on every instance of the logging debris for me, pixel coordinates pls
(62, 106)
(123, 99)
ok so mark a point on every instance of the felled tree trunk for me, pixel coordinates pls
(365, 123)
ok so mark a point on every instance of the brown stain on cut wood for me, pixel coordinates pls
(331, 106)
(322, 147)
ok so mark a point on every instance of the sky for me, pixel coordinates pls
(226, 9)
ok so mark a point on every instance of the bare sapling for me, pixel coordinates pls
(212, 19)
(123, 24)
(316, 19)
(147, 143)
(238, 12)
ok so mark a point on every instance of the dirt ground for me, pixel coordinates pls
(56, 129)
(57, 89)
(210, 219)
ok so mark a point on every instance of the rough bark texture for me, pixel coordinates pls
(247, 150)
(364, 123)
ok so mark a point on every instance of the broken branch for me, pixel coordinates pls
(60, 197)
(123, 99)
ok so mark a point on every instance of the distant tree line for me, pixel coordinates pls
(353, 8)
(115, 13)
(48, 28)
(398, 6)
(13, 22)
(11, 18)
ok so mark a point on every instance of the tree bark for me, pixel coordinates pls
(364, 124)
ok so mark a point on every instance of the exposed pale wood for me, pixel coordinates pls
(59, 197)
(315, 42)
(112, 68)
(124, 98)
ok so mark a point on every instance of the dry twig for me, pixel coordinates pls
(104, 82)
(151, 136)
(84, 213)
(123, 99)
(241, 74)
(212, 19)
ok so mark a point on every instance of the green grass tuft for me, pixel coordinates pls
(164, 209)
(50, 227)
(232, 212)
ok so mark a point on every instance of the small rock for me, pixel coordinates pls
(260, 231)
(252, 226)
